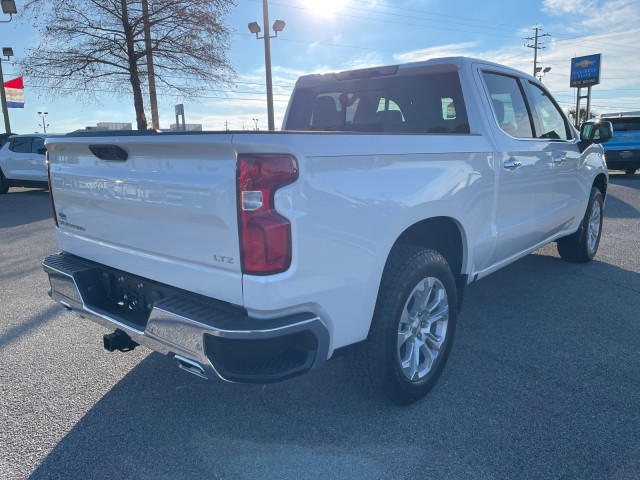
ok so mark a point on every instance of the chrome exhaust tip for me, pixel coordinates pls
(190, 366)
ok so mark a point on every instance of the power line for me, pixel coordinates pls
(483, 25)
(537, 45)
(397, 22)
(432, 13)
(290, 40)
(568, 41)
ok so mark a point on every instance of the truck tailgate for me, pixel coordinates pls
(167, 212)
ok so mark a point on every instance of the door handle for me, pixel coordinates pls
(511, 164)
(557, 160)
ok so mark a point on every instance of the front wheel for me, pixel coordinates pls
(582, 246)
(412, 327)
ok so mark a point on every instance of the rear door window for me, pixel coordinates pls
(21, 144)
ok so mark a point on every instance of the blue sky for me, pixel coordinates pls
(334, 35)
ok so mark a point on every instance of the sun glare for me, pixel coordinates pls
(325, 6)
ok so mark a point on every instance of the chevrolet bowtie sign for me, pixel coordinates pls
(585, 71)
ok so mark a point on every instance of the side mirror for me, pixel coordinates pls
(596, 132)
(42, 151)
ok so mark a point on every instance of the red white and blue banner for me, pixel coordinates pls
(14, 90)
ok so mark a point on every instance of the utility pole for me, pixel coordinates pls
(536, 46)
(3, 97)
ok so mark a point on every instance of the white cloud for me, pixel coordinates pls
(564, 7)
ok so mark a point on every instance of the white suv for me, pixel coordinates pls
(22, 162)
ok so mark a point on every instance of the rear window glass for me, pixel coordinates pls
(624, 124)
(427, 103)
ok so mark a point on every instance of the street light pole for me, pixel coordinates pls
(43, 115)
(3, 95)
(278, 26)
(9, 8)
(267, 62)
(541, 73)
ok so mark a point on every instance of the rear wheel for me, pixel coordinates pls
(630, 171)
(582, 246)
(412, 327)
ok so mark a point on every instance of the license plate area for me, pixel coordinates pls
(126, 297)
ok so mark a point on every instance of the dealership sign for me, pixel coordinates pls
(14, 90)
(585, 71)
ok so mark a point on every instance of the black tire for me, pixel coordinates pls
(630, 171)
(4, 184)
(379, 362)
(582, 246)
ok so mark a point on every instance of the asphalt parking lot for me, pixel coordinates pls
(543, 382)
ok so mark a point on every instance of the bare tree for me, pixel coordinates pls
(583, 115)
(90, 46)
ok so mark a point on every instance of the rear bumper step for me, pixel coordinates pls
(204, 336)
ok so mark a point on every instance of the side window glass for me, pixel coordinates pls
(38, 143)
(551, 120)
(21, 144)
(509, 106)
(448, 108)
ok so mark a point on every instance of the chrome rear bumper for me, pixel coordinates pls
(221, 338)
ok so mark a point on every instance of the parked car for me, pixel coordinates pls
(4, 137)
(622, 152)
(22, 162)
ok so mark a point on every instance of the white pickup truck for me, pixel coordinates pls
(22, 162)
(255, 257)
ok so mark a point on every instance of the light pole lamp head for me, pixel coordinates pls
(278, 25)
(538, 69)
(9, 7)
(546, 70)
(7, 52)
(254, 27)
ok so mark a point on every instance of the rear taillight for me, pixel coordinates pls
(53, 204)
(265, 235)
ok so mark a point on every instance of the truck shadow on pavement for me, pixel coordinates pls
(617, 207)
(541, 383)
(623, 179)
